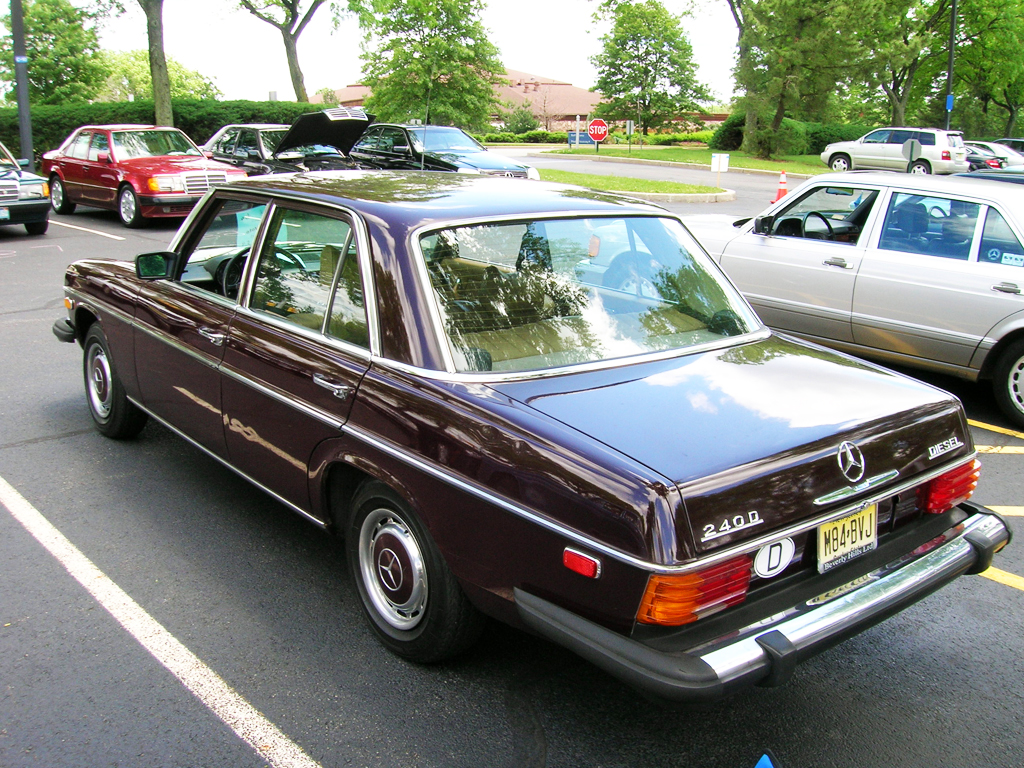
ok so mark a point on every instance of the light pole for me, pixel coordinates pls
(949, 69)
(21, 78)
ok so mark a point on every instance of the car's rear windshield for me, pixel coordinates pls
(546, 293)
(132, 144)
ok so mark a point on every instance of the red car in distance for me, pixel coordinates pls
(140, 171)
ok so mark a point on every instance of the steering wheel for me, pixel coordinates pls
(229, 275)
(937, 213)
(627, 273)
(817, 235)
(287, 255)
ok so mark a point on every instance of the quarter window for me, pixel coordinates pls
(935, 226)
(225, 144)
(999, 245)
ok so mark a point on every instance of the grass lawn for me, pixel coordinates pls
(622, 183)
(810, 164)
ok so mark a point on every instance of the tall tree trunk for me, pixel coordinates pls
(154, 10)
(291, 51)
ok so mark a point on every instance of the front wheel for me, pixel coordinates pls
(1008, 382)
(128, 208)
(839, 163)
(113, 413)
(412, 600)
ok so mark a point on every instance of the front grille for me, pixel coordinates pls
(518, 174)
(198, 183)
(8, 191)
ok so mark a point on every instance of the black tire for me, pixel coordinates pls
(412, 601)
(113, 413)
(128, 207)
(58, 196)
(839, 163)
(1008, 382)
(37, 227)
(920, 167)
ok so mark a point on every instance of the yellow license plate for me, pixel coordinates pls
(842, 540)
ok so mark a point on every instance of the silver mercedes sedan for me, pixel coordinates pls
(923, 271)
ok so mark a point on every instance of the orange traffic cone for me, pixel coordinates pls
(782, 188)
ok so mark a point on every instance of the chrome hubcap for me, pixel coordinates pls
(127, 206)
(97, 374)
(392, 568)
(57, 194)
(1015, 384)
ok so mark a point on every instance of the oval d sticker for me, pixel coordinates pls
(773, 558)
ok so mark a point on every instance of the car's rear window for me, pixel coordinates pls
(533, 295)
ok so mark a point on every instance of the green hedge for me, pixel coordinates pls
(793, 138)
(199, 119)
(530, 137)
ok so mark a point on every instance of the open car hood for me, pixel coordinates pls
(340, 128)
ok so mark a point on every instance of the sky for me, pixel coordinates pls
(551, 38)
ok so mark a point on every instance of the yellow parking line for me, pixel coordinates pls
(994, 428)
(1013, 511)
(1012, 449)
(1003, 577)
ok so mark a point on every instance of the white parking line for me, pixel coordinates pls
(250, 726)
(90, 231)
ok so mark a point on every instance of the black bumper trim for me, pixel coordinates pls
(767, 655)
(64, 330)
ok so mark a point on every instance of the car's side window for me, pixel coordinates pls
(877, 137)
(935, 226)
(80, 149)
(369, 140)
(927, 138)
(99, 144)
(246, 142)
(226, 143)
(899, 137)
(391, 139)
(302, 255)
(217, 258)
(830, 213)
(999, 245)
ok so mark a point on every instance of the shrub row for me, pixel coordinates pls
(199, 119)
(530, 137)
(793, 137)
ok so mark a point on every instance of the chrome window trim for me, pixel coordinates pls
(444, 342)
(295, 508)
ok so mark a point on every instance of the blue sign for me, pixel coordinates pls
(584, 138)
(949, 103)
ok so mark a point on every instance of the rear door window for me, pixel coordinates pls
(930, 225)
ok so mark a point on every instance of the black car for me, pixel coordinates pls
(317, 141)
(432, 148)
(980, 158)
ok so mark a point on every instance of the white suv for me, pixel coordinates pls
(940, 152)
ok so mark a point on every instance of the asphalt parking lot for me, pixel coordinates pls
(158, 611)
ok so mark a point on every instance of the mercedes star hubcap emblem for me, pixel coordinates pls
(390, 570)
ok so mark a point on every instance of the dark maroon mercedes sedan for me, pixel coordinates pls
(542, 404)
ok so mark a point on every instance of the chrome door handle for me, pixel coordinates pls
(214, 337)
(836, 261)
(340, 391)
(1006, 288)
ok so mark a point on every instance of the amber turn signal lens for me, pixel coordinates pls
(672, 600)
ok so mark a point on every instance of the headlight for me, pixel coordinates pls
(33, 191)
(532, 173)
(166, 184)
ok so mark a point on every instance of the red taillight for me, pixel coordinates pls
(672, 600)
(948, 490)
(946, 155)
(993, 163)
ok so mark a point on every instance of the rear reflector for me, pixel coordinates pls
(583, 564)
(672, 600)
(946, 491)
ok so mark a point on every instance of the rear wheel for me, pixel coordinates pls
(58, 196)
(114, 414)
(1008, 382)
(919, 166)
(412, 600)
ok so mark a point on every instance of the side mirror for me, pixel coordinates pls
(23, 162)
(156, 266)
(254, 154)
(103, 157)
(402, 149)
(208, 154)
(763, 225)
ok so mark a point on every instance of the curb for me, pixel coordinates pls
(682, 197)
(671, 164)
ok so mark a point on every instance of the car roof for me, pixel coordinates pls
(411, 199)
(958, 184)
(255, 126)
(129, 127)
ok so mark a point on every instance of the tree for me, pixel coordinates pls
(154, 10)
(988, 56)
(645, 68)
(64, 51)
(130, 78)
(430, 60)
(290, 20)
(521, 119)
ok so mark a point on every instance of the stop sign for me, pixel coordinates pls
(598, 129)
